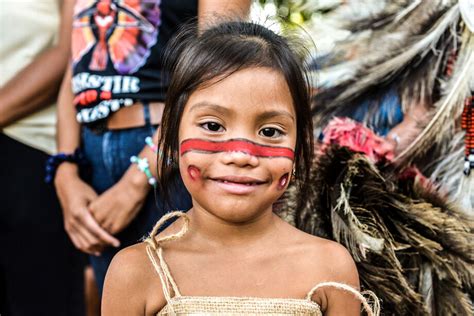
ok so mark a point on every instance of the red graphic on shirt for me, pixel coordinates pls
(122, 31)
(90, 96)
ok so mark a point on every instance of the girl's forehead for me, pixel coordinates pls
(249, 90)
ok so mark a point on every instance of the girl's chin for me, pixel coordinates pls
(237, 213)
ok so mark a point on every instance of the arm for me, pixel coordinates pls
(43, 76)
(74, 194)
(341, 269)
(211, 9)
(118, 206)
(131, 285)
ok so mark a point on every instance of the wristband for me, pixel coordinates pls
(54, 161)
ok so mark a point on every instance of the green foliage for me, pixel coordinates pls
(291, 11)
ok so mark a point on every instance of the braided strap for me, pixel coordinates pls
(154, 242)
(360, 296)
(154, 250)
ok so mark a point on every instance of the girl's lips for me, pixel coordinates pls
(238, 185)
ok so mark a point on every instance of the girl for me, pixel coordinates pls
(237, 125)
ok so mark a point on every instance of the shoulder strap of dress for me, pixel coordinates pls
(155, 251)
(375, 311)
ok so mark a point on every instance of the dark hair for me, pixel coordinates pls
(221, 50)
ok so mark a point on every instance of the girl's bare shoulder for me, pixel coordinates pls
(130, 262)
(328, 259)
(131, 283)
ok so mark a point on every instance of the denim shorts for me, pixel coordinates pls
(109, 153)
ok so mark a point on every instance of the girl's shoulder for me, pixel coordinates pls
(131, 280)
(131, 265)
(316, 261)
(327, 259)
(131, 259)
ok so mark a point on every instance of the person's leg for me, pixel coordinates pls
(42, 271)
(92, 297)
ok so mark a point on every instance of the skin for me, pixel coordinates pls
(409, 128)
(43, 75)
(92, 220)
(236, 245)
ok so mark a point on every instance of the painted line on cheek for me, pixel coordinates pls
(236, 145)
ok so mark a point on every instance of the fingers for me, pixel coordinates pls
(113, 211)
(111, 224)
(82, 244)
(99, 212)
(91, 244)
(86, 234)
(98, 232)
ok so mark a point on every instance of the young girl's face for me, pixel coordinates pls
(237, 140)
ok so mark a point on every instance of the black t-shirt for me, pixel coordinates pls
(117, 50)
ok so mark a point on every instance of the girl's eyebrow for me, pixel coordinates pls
(210, 106)
(225, 111)
(271, 114)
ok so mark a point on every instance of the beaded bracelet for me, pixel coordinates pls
(144, 166)
(54, 161)
(149, 142)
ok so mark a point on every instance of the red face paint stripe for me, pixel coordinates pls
(236, 145)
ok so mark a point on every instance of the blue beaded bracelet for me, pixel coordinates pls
(54, 161)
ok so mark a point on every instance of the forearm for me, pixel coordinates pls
(136, 178)
(68, 135)
(37, 85)
(68, 129)
(33, 88)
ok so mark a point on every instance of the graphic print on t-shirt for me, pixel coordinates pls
(111, 40)
(118, 31)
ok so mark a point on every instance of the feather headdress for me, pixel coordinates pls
(412, 248)
(421, 56)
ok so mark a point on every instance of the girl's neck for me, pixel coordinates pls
(220, 232)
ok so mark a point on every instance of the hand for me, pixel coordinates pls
(75, 196)
(118, 206)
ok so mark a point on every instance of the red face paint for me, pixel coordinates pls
(236, 145)
(194, 172)
(283, 181)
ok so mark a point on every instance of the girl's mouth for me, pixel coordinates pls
(237, 184)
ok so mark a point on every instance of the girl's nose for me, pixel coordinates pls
(239, 158)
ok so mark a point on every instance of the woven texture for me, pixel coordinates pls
(189, 305)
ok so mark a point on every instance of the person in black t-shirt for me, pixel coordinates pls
(117, 88)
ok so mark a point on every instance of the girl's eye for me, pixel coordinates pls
(270, 132)
(213, 126)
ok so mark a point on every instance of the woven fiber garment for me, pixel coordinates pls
(189, 305)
